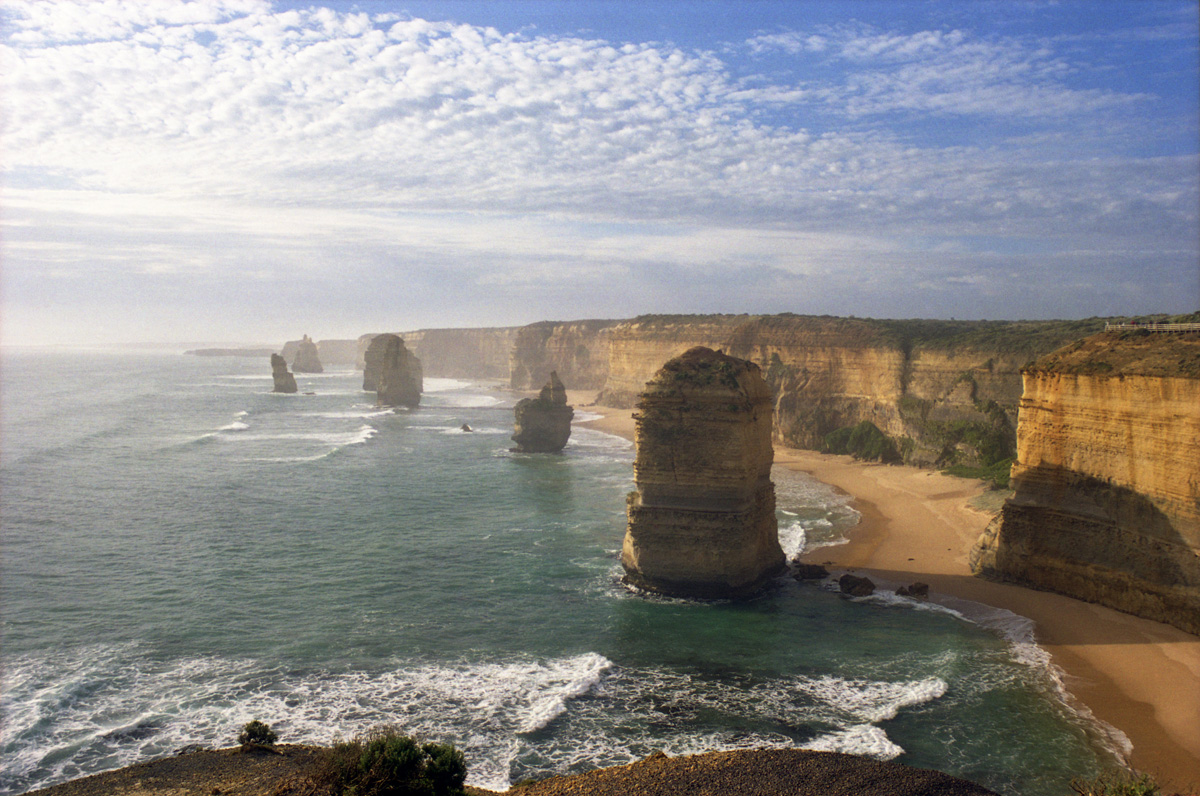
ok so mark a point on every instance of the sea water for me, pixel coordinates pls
(184, 551)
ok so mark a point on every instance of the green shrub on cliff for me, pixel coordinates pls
(1116, 783)
(257, 733)
(864, 441)
(385, 762)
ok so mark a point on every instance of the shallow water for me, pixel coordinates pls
(185, 551)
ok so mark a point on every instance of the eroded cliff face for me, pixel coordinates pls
(330, 352)
(1106, 503)
(577, 351)
(702, 521)
(945, 391)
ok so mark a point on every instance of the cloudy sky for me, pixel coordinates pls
(243, 170)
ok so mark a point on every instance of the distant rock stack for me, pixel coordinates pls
(306, 360)
(702, 521)
(284, 381)
(397, 373)
(543, 424)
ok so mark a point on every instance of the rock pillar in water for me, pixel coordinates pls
(399, 377)
(543, 424)
(284, 381)
(307, 360)
(702, 521)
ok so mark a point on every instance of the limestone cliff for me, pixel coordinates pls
(395, 372)
(284, 381)
(945, 391)
(464, 353)
(543, 424)
(702, 521)
(1106, 503)
(577, 351)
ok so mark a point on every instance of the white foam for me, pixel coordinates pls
(438, 384)
(861, 739)
(792, 539)
(465, 401)
(236, 425)
(582, 675)
(586, 417)
(869, 700)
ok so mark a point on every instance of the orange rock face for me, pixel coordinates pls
(702, 521)
(1106, 502)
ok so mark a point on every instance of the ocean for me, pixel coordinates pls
(184, 551)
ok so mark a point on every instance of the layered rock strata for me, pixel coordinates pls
(543, 424)
(307, 360)
(944, 391)
(395, 372)
(576, 350)
(702, 520)
(1106, 503)
(284, 381)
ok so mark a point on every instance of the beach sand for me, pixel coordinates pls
(1140, 677)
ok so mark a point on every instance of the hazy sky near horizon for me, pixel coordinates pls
(243, 170)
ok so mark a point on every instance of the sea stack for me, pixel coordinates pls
(307, 360)
(543, 424)
(398, 372)
(702, 521)
(284, 381)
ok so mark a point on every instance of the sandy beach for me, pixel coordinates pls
(1140, 677)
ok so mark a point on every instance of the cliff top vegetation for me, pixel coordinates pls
(1018, 337)
(1129, 353)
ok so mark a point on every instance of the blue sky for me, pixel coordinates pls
(240, 170)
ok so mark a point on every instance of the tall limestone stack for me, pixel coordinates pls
(307, 359)
(397, 372)
(284, 381)
(543, 424)
(1106, 503)
(702, 521)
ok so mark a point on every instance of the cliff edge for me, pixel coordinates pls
(1106, 503)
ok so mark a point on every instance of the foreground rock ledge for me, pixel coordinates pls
(761, 772)
(702, 521)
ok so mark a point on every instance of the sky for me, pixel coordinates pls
(250, 171)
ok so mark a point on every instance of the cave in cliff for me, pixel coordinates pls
(702, 519)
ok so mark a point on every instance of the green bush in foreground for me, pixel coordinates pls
(257, 733)
(1116, 783)
(384, 762)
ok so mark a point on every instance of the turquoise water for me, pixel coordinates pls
(184, 551)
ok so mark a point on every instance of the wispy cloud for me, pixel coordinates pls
(232, 136)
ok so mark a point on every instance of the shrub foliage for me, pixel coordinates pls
(385, 762)
(257, 733)
(864, 441)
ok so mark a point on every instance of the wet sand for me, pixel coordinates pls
(1140, 677)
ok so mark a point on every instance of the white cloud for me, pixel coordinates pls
(235, 141)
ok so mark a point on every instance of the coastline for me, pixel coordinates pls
(1140, 677)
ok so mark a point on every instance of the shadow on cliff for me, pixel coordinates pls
(1095, 541)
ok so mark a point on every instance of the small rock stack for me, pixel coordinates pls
(394, 371)
(543, 424)
(307, 360)
(284, 381)
(702, 521)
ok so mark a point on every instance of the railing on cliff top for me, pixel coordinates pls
(1153, 327)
